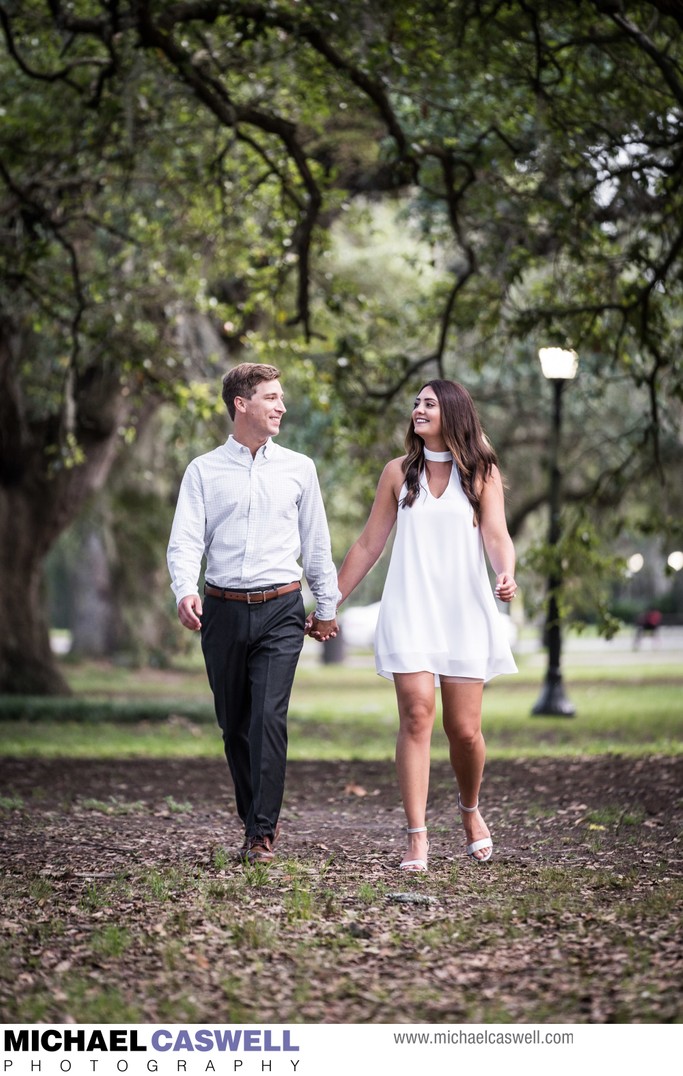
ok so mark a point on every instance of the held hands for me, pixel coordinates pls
(189, 612)
(506, 588)
(322, 630)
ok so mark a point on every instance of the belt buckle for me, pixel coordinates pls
(256, 600)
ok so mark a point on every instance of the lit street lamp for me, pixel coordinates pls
(635, 563)
(675, 560)
(559, 365)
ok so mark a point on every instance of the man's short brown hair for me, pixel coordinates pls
(242, 381)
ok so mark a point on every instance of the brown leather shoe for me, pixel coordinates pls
(260, 850)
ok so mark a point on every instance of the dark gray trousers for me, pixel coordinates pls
(251, 653)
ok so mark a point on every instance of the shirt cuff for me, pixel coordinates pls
(327, 609)
(184, 592)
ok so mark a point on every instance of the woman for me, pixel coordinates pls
(438, 621)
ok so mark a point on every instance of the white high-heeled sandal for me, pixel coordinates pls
(476, 846)
(417, 865)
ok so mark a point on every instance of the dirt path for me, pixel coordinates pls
(119, 882)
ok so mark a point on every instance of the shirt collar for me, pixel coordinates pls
(239, 451)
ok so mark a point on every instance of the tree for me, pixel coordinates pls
(88, 310)
(199, 153)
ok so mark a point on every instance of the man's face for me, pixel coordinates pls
(264, 410)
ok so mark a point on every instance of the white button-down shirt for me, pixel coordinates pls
(252, 517)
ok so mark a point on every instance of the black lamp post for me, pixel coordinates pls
(559, 366)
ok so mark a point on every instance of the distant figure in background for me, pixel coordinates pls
(438, 620)
(647, 624)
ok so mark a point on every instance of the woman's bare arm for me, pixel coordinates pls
(497, 540)
(367, 549)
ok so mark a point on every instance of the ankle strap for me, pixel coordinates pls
(467, 810)
(418, 829)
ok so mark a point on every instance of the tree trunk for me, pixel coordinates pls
(93, 630)
(42, 489)
(27, 664)
(33, 513)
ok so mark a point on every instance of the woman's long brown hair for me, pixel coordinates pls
(473, 455)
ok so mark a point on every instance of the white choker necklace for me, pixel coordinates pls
(437, 457)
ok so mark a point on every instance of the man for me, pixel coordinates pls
(252, 507)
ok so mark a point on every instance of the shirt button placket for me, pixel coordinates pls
(251, 545)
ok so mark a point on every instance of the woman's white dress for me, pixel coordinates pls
(438, 612)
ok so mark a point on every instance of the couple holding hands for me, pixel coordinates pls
(253, 508)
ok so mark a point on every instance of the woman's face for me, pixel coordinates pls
(427, 414)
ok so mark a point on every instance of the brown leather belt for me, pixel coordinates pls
(252, 597)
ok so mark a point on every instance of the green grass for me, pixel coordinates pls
(111, 941)
(346, 712)
(11, 803)
(107, 739)
(92, 709)
(111, 806)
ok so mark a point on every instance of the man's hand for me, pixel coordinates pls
(322, 630)
(189, 612)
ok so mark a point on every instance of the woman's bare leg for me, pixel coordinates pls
(415, 694)
(462, 703)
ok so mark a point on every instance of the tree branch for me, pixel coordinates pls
(215, 96)
(41, 76)
(272, 16)
(648, 46)
(12, 419)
